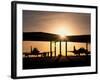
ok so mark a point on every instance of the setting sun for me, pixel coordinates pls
(62, 32)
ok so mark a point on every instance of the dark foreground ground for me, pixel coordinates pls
(47, 62)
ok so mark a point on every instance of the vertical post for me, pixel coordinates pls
(31, 49)
(48, 54)
(87, 46)
(50, 48)
(60, 48)
(66, 48)
(55, 48)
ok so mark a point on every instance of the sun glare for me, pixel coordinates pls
(62, 32)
